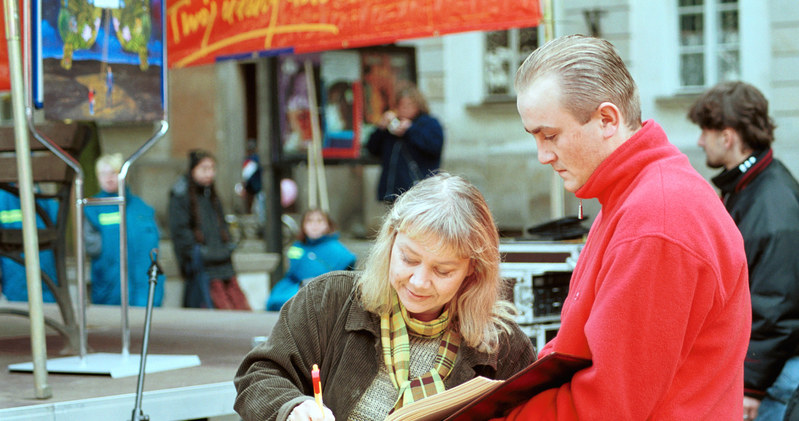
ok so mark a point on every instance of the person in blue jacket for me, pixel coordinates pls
(408, 142)
(101, 238)
(317, 251)
(13, 279)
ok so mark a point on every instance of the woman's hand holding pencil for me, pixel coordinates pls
(313, 410)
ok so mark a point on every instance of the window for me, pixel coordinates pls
(504, 53)
(709, 42)
(6, 112)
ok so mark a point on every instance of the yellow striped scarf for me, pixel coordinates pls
(396, 352)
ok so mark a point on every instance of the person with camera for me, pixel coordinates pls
(408, 142)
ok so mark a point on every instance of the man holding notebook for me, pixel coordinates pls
(659, 300)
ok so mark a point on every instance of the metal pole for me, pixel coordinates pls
(79, 201)
(315, 149)
(80, 256)
(29, 231)
(123, 265)
(123, 222)
(312, 189)
(556, 195)
(123, 234)
(80, 253)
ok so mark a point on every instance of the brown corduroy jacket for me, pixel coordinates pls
(325, 324)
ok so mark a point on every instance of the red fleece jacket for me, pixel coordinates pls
(659, 299)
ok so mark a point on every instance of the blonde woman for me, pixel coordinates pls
(101, 237)
(424, 316)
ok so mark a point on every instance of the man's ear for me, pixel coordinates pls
(609, 119)
(729, 137)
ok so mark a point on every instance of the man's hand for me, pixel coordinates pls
(751, 405)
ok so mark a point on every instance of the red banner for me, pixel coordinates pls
(200, 31)
(5, 73)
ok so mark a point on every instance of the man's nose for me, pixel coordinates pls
(545, 156)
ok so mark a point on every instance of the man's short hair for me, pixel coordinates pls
(589, 71)
(738, 106)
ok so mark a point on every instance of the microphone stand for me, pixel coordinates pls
(153, 271)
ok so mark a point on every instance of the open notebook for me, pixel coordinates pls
(482, 398)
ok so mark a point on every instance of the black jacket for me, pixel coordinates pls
(216, 247)
(763, 199)
(406, 159)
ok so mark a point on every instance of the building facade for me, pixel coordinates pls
(674, 49)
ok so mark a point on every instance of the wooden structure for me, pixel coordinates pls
(55, 177)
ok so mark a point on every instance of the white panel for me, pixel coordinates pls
(163, 405)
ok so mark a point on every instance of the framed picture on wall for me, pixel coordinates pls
(342, 104)
(353, 89)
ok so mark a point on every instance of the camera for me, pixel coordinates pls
(393, 125)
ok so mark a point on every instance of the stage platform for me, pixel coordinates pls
(219, 338)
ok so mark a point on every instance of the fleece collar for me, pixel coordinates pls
(617, 172)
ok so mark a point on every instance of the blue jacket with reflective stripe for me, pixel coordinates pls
(101, 235)
(12, 274)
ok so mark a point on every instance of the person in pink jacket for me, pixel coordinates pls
(659, 299)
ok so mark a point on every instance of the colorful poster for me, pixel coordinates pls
(103, 60)
(384, 68)
(200, 31)
(341, 99)
(295, 104)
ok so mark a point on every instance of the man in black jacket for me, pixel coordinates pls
(763, 198)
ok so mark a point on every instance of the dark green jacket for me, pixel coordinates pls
(325, 324)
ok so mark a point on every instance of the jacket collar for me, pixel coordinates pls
(103, 193)
(323, 239)
(735, 179)
(360, 319)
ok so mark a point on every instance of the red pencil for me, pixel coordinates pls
(317, 387)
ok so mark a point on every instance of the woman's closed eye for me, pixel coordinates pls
(443, 272)
(409, 260)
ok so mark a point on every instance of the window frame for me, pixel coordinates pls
(711, 46)
(514, 42)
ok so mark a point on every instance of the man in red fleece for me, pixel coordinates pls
(659, 299)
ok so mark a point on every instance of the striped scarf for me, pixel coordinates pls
(394, 328)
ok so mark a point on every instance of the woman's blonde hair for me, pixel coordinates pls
(451, 211)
